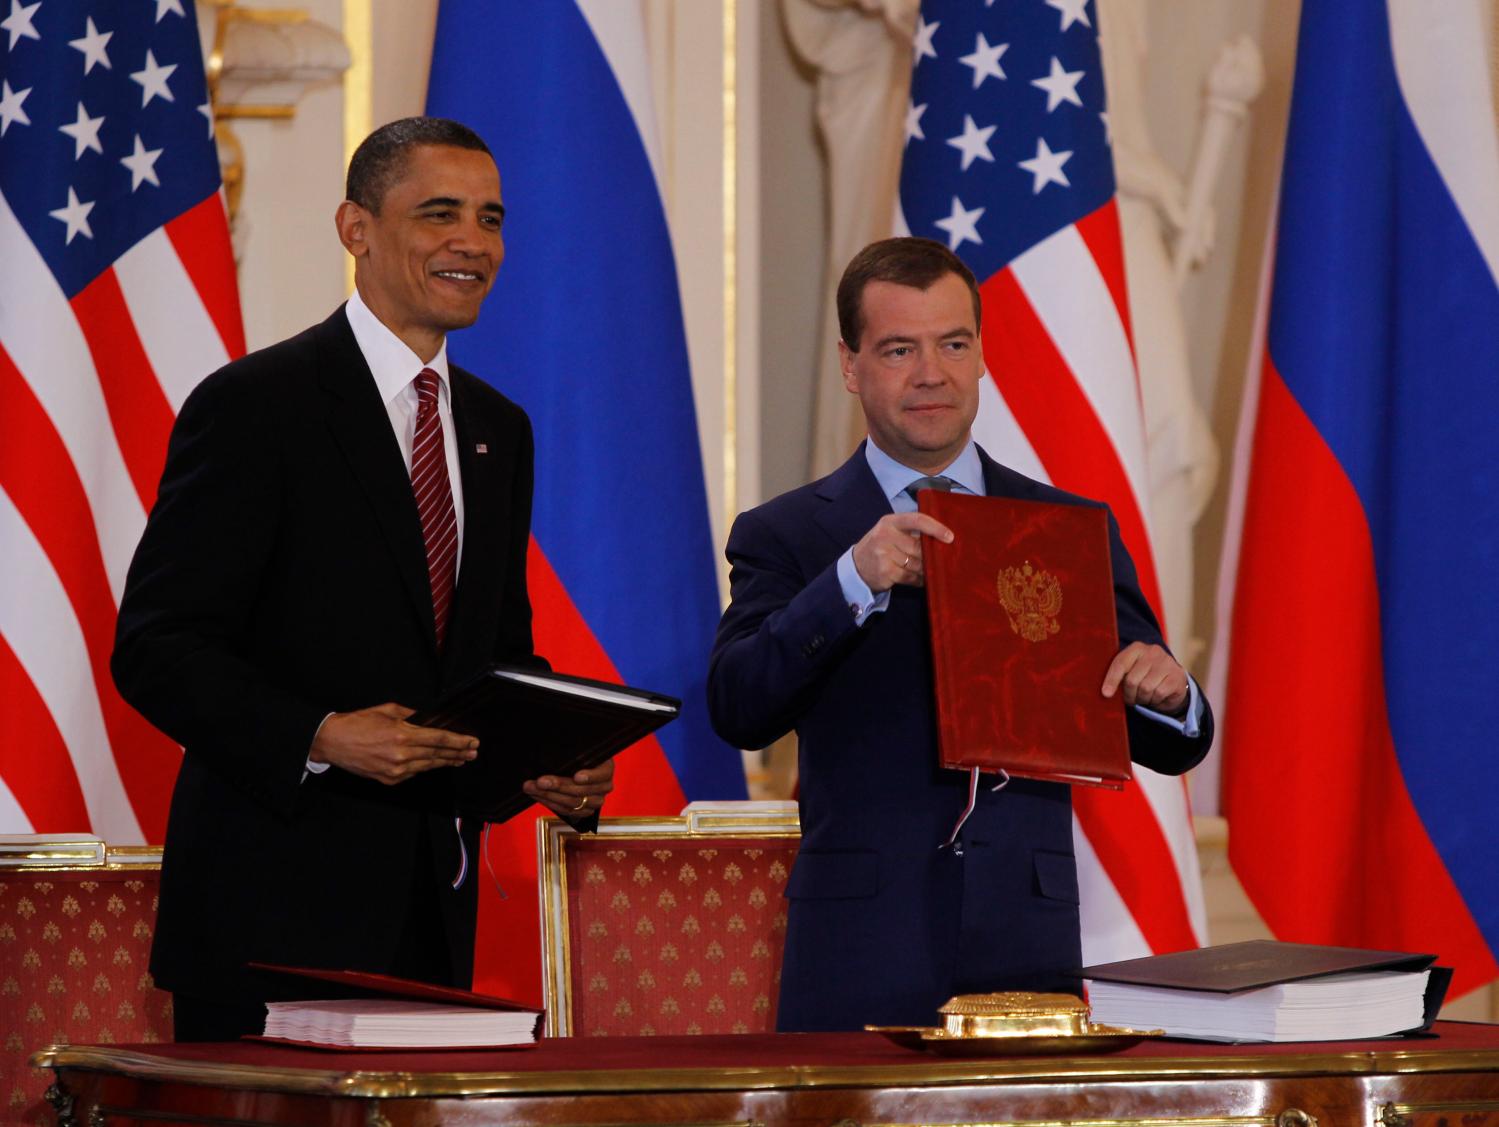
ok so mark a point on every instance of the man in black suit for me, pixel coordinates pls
(340, 535)
(826, 632)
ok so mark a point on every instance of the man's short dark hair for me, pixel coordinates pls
(906, 261)
(380, 159)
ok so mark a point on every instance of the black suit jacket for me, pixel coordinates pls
(282, 576)
(882, 926)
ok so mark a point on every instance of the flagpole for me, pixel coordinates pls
(358, 29)
(730, 143)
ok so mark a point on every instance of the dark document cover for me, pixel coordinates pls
(1023, 628)
(531, 723)
(1230, 967)
(1265, 990)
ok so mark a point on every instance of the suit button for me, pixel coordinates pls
(813, 646)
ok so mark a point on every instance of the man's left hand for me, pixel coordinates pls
(577, 797)
(1148, 676)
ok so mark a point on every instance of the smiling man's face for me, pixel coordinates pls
(426, 259)
(917, 370)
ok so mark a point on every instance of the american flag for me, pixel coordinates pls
(1008, 162)
(117, 294)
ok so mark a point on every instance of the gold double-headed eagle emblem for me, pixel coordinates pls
(1032, 600)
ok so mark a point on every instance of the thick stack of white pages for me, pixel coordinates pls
(396, 1023)
(1337, 1007)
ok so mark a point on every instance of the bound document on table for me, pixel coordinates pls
(531, 723)
(1264, 990)
(397, 1013)
(1021, 606)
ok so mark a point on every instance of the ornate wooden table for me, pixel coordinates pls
(1450, 1079)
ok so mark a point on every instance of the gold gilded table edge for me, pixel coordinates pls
(1449, 1107)
(920, 1072)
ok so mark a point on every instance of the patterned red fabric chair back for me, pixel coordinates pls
(76, 918)
(666, 925)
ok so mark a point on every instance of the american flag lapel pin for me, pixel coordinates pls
(481, 448)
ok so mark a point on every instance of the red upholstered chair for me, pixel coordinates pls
(666, 925)
(76, 918)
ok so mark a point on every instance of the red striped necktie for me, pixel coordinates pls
(434, 500)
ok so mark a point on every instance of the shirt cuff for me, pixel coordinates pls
(856, 593)
(312, 768)
(1189, 725)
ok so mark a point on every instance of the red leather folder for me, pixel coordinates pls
(1021, 605)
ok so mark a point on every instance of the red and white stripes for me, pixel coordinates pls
(88, 392)
(1065, 408)
(434, 500)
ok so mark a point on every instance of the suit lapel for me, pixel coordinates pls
(486, 491)
(1001, 481)
(361, 428)
(855, 501)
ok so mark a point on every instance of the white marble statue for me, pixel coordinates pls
(1235, 80)
(1155, 207)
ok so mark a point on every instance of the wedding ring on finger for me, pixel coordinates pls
(582, 805)
(906, 563)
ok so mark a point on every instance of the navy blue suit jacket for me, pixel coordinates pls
(883, 927)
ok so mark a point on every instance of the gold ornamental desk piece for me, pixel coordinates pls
(1014, 1023)
(1015, 1015)
(1449, 1078)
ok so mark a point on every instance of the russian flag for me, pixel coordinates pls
(584, 330)
(1359, 766)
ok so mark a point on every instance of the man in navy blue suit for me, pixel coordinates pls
(826, 633)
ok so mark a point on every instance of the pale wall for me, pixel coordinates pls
(291, 266)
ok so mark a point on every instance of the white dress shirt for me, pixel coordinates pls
(395, 368)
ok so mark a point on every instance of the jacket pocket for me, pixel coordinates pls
(1056, 876)
(847, 875)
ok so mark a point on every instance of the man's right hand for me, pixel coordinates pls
(378, 744)
(890, 552)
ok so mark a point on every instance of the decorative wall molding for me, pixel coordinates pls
(265, 60)
(261, 63)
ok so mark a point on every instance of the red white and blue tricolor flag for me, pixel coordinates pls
(584, 329)
(1358, 737)
(117, 294)
(1007, 161)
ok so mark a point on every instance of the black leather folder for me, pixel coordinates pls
(531, 723)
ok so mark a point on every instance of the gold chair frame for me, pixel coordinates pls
(699, 821)
(73, 853)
